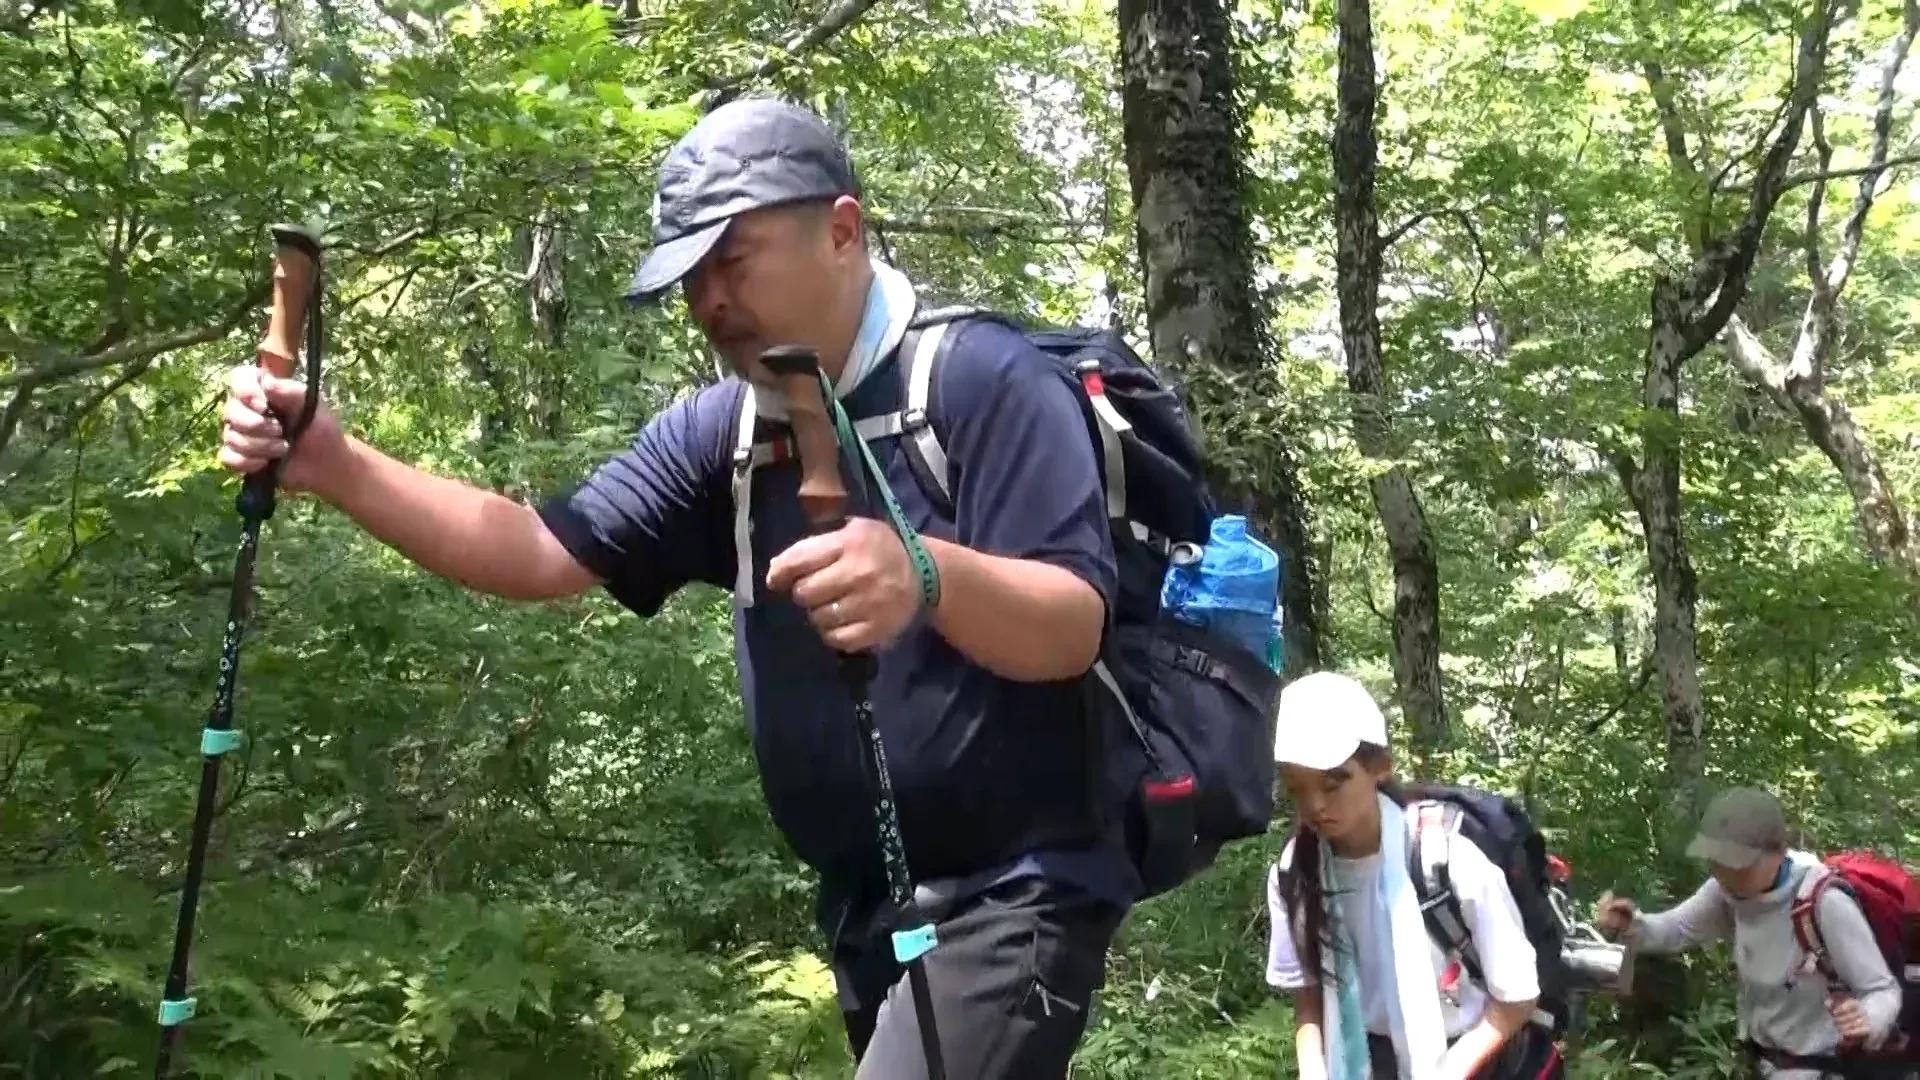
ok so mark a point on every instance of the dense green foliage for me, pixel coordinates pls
(469, 838)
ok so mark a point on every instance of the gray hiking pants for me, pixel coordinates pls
(1012, 980)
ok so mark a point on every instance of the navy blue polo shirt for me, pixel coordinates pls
(994, 778)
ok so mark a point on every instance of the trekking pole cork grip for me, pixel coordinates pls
(296, 272)
(823, 497)
(296, 259)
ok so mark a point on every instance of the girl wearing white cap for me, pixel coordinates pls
(1373, 995)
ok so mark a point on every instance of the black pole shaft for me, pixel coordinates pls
(857, 670)
(221, 720)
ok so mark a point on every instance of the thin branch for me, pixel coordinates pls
(1841, 174)
(1720, 179)
(1814, 343)
(1366, 583)
(1670, 126)
(48, 363)
(837, 19)
(1628, 470)
(1850, 233)
(1816, 199)
(600, 841)
(16, 753)
(1394, 234)
(1723, 268)
(406, 280)
(1480, 251)
(1033, 230)
(404, 20)
(1639, 683)
(62, 367)
(387, 247)
(74, 546)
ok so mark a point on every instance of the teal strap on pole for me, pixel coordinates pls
(176, 1012)
(217, 741)
(852, 445)
(909, 944)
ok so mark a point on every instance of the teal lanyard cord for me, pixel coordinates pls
(856, 449)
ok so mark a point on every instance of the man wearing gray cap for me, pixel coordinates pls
(1795, 1023)
(977, 694)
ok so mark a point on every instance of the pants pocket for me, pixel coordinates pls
(1066, 956)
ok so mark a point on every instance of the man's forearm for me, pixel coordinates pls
(1020, 619)
(479, 538)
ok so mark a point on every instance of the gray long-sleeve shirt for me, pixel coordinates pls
(1783, 1000)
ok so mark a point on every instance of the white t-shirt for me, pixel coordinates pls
(1487, 908)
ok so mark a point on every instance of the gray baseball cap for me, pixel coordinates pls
(744, 155)
(1741, 825)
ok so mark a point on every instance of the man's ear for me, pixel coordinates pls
(847, 225)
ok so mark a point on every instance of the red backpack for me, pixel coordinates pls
(1889, 896)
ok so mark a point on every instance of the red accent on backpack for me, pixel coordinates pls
(1889, 897)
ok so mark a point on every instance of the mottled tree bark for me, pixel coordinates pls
(1185, 140)
(1416, 572)
(547, 311)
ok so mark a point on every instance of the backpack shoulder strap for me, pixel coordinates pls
(744, 459)
(923, 346)
(920, 349)
(1435, 824)
(1805, 914)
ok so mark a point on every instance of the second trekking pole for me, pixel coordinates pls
(824, 498)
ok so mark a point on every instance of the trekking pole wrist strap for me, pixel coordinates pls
(925, 569)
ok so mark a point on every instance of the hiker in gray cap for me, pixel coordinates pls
(758, 222)
(1796, 1023)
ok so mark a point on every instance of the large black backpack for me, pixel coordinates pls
(1183, 717)
(1443, 814)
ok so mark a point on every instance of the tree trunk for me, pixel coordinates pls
(1688, 311)
(1655, 488)
(1416, 574)
(1184, 144)
(547, 308)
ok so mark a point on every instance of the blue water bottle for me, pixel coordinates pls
(1231, 586)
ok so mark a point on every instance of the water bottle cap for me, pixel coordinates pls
(1230, 528)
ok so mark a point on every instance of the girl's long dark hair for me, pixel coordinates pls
(1300, 888)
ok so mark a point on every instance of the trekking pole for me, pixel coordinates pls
(296, 282)
(824, 499)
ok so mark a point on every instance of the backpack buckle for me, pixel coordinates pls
(1091, 378)
(742, 458)
(913, 420)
